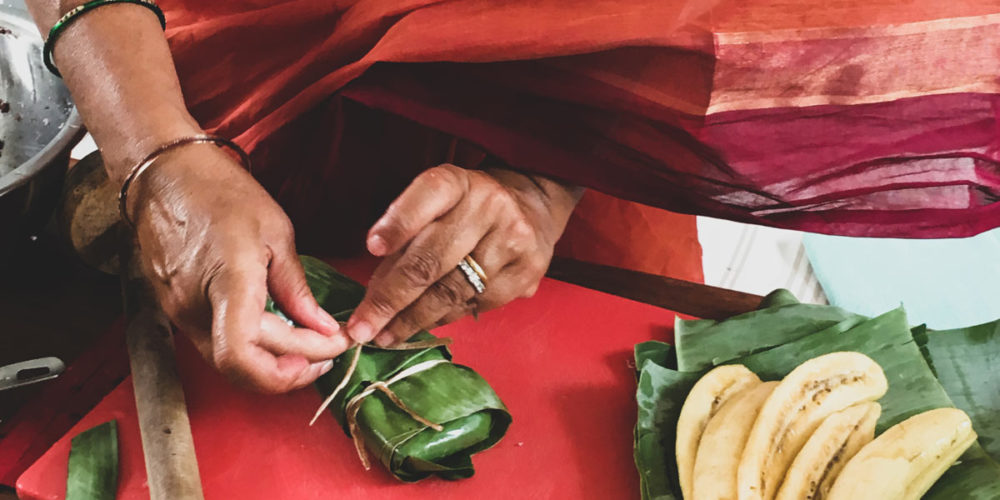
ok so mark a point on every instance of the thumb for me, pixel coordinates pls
(286, 282)
(237, 298)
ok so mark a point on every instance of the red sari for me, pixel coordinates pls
(866, 118)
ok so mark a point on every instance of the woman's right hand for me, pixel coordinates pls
(214, 244)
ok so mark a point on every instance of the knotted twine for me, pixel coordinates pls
(354, 405)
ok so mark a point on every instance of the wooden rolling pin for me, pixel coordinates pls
(167, 444)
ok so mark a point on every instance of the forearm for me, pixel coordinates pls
(117, 64)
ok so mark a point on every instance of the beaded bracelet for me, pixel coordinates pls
(151, 158)
(60, 26)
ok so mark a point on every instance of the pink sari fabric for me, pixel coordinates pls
(866, 118)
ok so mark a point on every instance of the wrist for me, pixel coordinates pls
(127, 145)
(173, 160)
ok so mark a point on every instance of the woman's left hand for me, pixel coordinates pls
(508, 222)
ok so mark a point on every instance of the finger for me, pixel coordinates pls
(400, 281)
(307, 372)
(286, 280)
(452, 297)
(280, 338)
(514, 264)
(430, 196)
(237, 295)
(518, 279)
(315, 371)
(296, 370)
(458, 313)
(451, 292)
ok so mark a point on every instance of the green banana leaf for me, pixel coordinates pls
(92, 472)
(653, 352)
(778, 298)
(472, 415)
(966, 362)
(704, 343)
(660, 394)
(793, 334)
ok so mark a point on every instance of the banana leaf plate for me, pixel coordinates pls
(925, 369)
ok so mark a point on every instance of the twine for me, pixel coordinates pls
(354, 405)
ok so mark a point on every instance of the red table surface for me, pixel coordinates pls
(562, 362)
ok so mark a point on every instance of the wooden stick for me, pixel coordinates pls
(167, 444)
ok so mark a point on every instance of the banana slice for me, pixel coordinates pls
(907, 459)
(705, 398)
(827, 451)
(810, 393)
(722, 444)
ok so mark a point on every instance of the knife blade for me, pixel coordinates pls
(30, 372)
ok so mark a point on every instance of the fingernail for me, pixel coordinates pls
(329, 321)
(327, 366)
(362, 332)
(377, 245)
(385, 339)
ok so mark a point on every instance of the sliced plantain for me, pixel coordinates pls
(827, 451)
(722, 443)
(704, 400)
(907, 459)
(804, 398)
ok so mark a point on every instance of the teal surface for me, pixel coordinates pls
(943, 283)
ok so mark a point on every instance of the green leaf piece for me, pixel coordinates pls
(653, 351)
(967, 363)
(660, 395)
(93, 464)
(703, 343)
(778, 298)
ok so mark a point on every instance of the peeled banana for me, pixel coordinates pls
(722, 444)
(907, 459)
(704, 400)
(804, 398)
(827, 451)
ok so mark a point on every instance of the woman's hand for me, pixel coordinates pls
(214, 244)
(508, 222)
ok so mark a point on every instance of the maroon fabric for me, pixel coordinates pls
(874, 118)
(925, 168)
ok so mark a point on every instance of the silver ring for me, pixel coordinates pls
(472, 277)
(476, 267)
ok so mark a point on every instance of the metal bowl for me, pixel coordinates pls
(38, 126)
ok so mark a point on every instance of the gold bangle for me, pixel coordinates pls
(151, 158)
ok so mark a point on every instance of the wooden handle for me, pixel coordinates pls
(167, 444)
(681, 296)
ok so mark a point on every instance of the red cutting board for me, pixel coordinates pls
(561, 361)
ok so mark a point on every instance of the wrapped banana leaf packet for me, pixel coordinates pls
(925, 370)
(412, 409)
